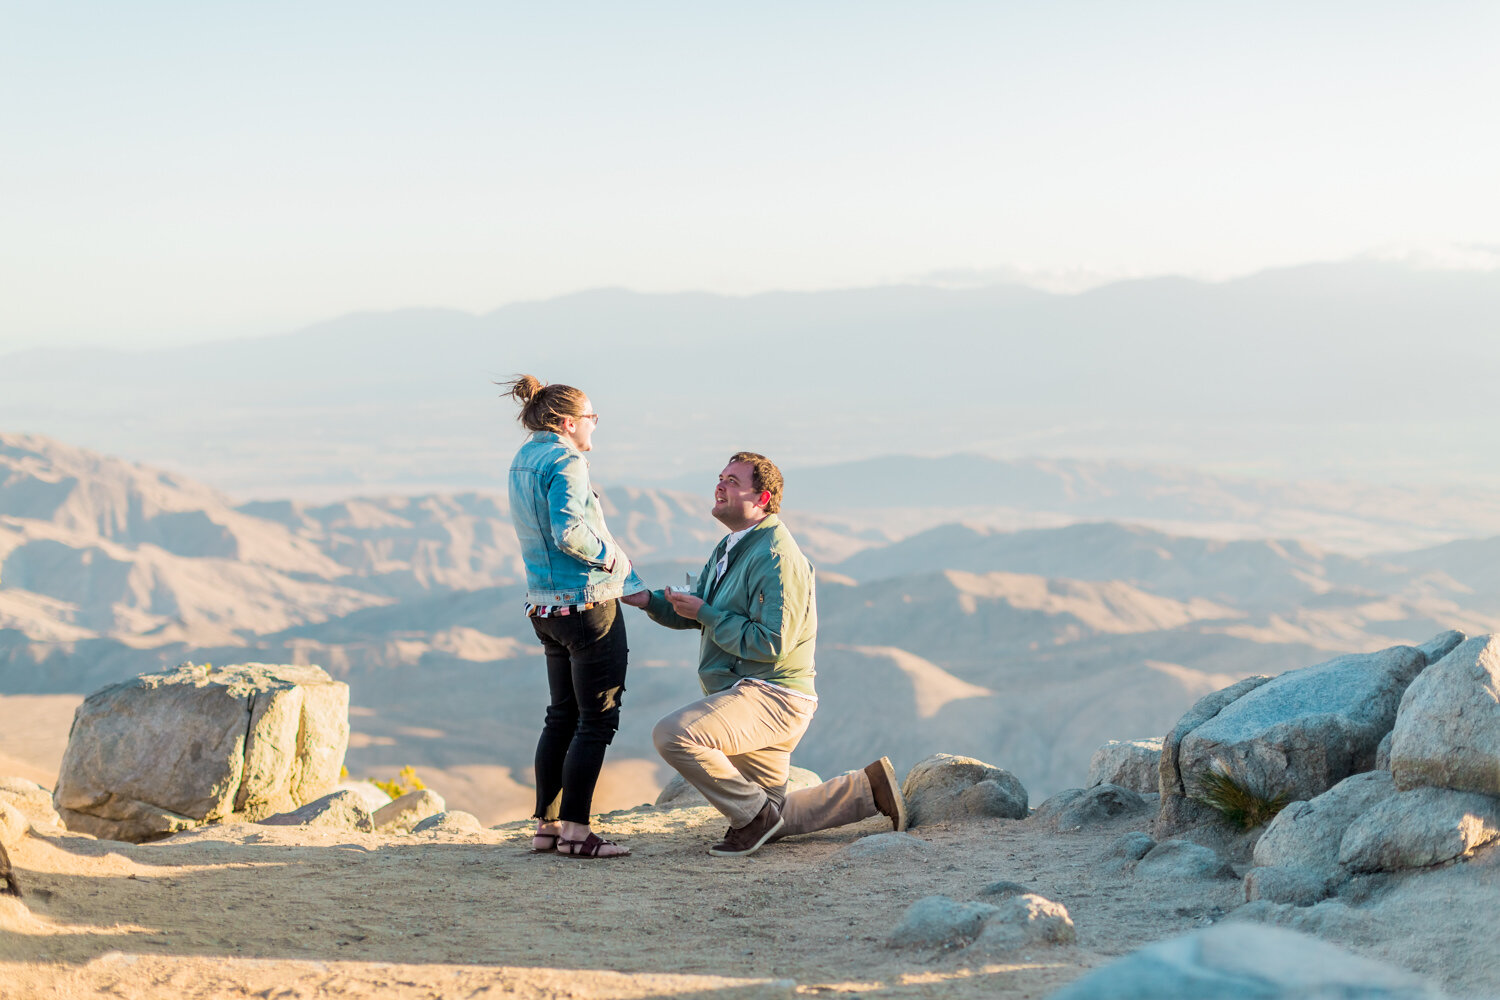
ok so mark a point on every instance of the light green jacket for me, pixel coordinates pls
(760, 619)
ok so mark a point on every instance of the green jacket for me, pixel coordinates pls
(760, 620)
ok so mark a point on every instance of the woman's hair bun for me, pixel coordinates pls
(523, 388)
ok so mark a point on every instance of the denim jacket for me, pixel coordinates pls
(571, 558)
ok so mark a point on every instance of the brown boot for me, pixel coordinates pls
(887, 792)
(748, 839)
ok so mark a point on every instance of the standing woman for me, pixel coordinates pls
(575, 573)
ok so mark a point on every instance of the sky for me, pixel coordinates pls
(175, 172)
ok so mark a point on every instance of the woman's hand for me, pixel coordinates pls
(685, 605)
(639, 599)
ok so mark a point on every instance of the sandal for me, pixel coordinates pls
(589, 848)
(554, 837)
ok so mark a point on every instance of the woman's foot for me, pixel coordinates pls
(547, 836)
(579, 841)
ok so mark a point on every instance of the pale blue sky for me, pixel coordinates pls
(181, 171)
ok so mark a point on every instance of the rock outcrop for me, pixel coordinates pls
(1447, 732)
(1422, 827)
(1296, 735)
(947, 787)
(1308, 834)
(1132, 764)
(168, 751)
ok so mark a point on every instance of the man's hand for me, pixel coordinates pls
(639, 599)
(685, 605)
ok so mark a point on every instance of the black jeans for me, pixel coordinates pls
(586, 655)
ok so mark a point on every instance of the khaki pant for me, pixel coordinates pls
(736, 748)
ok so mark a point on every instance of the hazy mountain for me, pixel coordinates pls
(1325, 368)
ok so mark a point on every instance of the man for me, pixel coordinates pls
(754, 603)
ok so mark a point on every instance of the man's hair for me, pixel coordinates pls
(764, 476)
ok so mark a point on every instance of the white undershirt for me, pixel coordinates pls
(729, 544)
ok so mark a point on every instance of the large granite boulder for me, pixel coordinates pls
(948, 787)
(1176, 810)
(1447, 732)
(1419, 828)
(168, 751)
(1296, 735)
(1245, 961)
(1307, 834)
(1132, 764)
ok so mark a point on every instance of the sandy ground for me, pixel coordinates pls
(248, 911)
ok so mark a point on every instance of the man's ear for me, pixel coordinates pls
(763, 499)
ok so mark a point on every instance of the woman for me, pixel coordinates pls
(575, 573)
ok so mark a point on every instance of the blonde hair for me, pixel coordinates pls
(543, 407)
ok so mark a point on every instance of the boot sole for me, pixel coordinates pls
(890, 779)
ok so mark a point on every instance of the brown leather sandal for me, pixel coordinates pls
(588, 847)
(556, 838)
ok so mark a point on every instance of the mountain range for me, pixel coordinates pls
(1025, 648)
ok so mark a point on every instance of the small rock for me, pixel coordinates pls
(1003, 890)
(1183, 859)
(1297, 886)
(890, 845)
(937, 921)
(1132, 846)
(1245, 961)
(1055, 804)
(409, 810)
(454, 821)
(1025, 921)
(336, 809)
(1097, 805)
(1422, 827)
(34, 802)
(948, 787)
(1132, 764)
(371, 796)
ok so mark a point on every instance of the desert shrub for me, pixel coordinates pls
(405, 781)
(1241, 803)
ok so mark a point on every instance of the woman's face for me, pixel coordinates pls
(579, 431)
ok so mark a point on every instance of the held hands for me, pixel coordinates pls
(638, 600)
(685, 605)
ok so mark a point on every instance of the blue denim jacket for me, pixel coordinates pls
(571, 558)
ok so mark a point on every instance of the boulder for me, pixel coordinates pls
(1131, 846)
(1132, 764)
(369, 795)
(947, 787)
(342, 810)
(680, 795)
(1054, 804)
(1296, 886)
(32, 800)
(454, 821)
(937, 921)
(1245, 961)
(1441, 645)
(1098, 805)
(1177, 811)
(1447, 733)
(1303, 732)
(409, 810)
(1308, 834)
(168, 751)
(1383, 752)
(1183, 859)
(1024, 921)
(1422, 827)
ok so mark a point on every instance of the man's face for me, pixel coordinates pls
(737, 503)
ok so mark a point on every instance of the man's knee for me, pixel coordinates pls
(667, 735)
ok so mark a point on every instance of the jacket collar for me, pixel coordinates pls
(769, 521)
(552, 437)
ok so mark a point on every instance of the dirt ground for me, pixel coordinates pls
(249, 911)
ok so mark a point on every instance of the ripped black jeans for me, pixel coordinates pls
(586, 655)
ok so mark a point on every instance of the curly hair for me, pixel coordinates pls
(764, 476)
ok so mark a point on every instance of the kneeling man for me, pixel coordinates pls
(755, 605)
